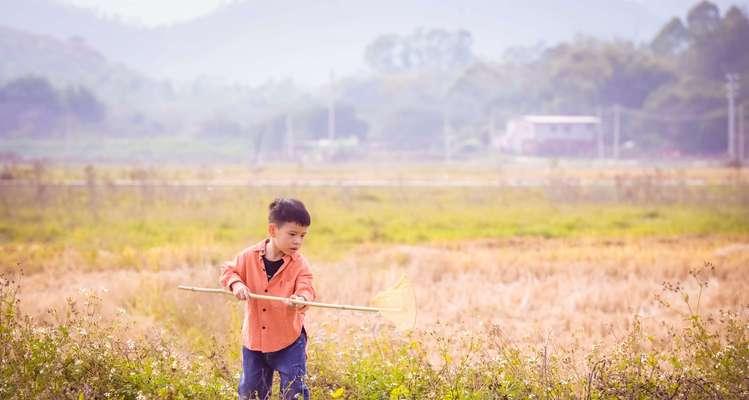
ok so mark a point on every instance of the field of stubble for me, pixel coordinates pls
(591, 283)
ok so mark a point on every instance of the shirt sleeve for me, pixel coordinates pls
(303, 286)
(233, 271)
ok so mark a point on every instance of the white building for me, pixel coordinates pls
(552, 135)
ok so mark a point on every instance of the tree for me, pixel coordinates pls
(414, 129)
(381, 54)
(84, 105)
(436, 49)
(716, 46)
(315, 123)
(719, 49)
(29, 106)
(734, 39)
(634, 75)
(699, 99)
(703, 19)
(672, 39)
(589, 73)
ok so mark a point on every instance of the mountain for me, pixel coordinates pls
(250, 41)
(72, 62)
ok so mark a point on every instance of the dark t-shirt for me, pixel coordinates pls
(271, 267)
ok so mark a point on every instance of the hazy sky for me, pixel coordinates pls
(149, 12)
(164, 12)
(276, 46)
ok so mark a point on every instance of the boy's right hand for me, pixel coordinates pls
(240, 290)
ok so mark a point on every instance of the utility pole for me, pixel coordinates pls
(331, 107)
(446, 134)
(289, 138)
(446, 128)
(600, 135)
(492, 126)
(732, 86)
(742, 134)
(617, 129)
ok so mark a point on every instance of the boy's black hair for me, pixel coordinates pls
(283, 210)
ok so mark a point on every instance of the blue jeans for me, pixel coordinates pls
(258, 367)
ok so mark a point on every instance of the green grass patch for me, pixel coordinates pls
(132, 227)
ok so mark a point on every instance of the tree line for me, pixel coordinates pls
(428, 87)
(677, 78)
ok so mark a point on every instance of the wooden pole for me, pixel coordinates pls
(286, 299)
(742, 134)
(617, 129)
(599, 138)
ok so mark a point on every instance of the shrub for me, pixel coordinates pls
(80, 356)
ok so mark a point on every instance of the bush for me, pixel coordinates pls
(707, 359)
(80, 356)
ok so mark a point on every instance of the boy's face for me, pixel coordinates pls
(288, 237)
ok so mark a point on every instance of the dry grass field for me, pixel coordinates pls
(564, 292)
(561, 272)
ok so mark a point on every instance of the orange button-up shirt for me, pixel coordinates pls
(270, 325)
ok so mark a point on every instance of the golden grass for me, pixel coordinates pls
(559, 266)
(562, 293)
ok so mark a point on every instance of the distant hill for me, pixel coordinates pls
(64, 61)
(68, 62)
(250, 41)
(131, 99)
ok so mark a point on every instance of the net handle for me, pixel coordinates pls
(286, 299)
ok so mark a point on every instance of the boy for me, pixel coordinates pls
(273, 333)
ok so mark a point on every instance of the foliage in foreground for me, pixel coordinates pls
(81, 356)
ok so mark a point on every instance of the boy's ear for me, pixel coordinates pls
(272, 229)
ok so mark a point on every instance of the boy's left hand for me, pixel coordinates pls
(295, 297)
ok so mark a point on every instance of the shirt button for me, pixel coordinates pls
(263, 309)
(266, 290)
(263, 327)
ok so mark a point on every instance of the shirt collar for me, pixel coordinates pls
(260, 248)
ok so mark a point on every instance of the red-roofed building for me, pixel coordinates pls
(553, 135)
